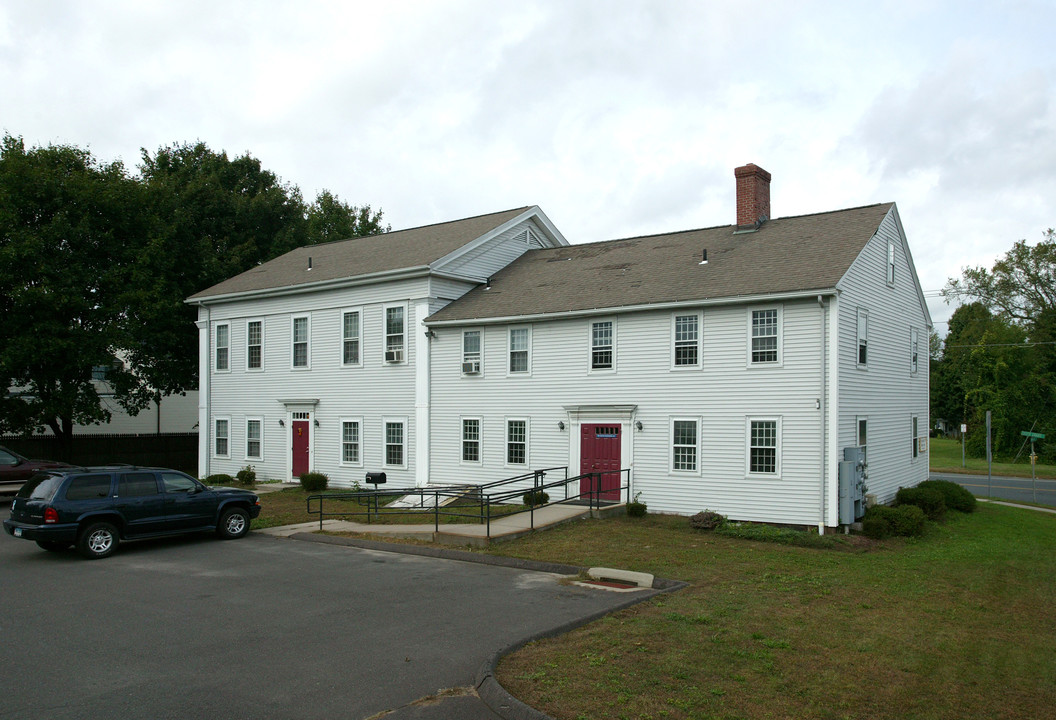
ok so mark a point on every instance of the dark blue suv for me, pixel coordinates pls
(95, 508)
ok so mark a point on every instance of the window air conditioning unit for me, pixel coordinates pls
(393, 356)
(471, 368)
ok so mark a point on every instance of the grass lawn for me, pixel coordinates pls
(960, 623)
(946, 457)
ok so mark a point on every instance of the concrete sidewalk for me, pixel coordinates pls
(476, 534)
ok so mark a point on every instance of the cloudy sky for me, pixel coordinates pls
(618, 118)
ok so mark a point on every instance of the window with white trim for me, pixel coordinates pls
(863, 338)
(890, 262)
(516, 442)
(913, 429)
(471, 440)
(763, 446)
(601, 345)
(300, 338)
(914, 350)
(221, 437)
(861, 436)
(255, 345)
(685, 438)
(350, 337)
(520, 344)
(350, 442)
(254, 442)
(471, 352)
(765, 336)
(223, 347)
(686, 334)
(395, 332)
(395, 439)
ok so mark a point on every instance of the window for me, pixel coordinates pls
(765, 336)
(890, 262)
(913, 436)
(223, 347)
(137, 485)
(394, 439)
(762, 447)
(863, 338)
(254, 345)
(684, 445)
(176, 482)
(220, 436)
(687, 340)
(601, 334)
(862, 428)
(301, 333)
(350, 338)
(516, 442)
(913, 351)
(394, 331)
(471, 440)
(350, 442)
(88, 487)
(471, 352)
(254, 446)
(520, 349)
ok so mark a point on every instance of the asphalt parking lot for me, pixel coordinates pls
(261, 628)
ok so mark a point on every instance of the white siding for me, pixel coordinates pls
(885, 390)
(490, 257)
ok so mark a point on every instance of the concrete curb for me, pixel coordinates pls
(493, 694)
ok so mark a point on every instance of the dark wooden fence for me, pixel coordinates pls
(178, 451)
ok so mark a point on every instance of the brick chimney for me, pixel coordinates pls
(753, 195)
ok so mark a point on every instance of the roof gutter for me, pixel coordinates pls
(706, 302)
(385, 276)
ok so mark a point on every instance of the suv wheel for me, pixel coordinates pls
(98, 540)
(234, 523)
(53, 545)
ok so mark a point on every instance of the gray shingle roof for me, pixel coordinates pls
(355, 257)
(807, 252)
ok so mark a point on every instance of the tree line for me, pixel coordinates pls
(1000, 352)
(96, 260)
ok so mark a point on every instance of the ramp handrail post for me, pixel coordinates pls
(489, 517)
(436, 511)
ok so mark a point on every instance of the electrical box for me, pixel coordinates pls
(852, 485)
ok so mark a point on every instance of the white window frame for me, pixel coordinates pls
(611, 346)
(510, 351)
(385, 422)
(779, 335)
(226, 419)
(699, 343)
(889, 264)
(260, 439)
(506, 444)
(307, 342)
(862, 442)
(914, 351)
(341, 440)
(226, 347)
(914, 430)
(385, 335)
(345, 339)
(776, 419)
(672, 445)
(462, 440)
(249, 322)
(467, 357)
(861, 337)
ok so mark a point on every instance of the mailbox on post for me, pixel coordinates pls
(375, 479)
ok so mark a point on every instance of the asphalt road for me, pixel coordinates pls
(1014, 489)
(260, 628)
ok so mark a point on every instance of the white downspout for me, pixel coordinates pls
(422, 386)
(204, 390)
(822, 410)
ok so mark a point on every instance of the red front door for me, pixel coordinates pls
(599, 452)
(300, 447)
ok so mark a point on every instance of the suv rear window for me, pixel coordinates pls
(41, 486)
(88, 487)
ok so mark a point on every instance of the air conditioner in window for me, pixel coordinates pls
(393, 356)
(471, 368)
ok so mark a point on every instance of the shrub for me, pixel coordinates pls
(536, 497)
(956, 496)
(314, 481)
(927, 499)
(247, 475)
(220, 479)
(882, 521)
(877, 527)
(707, 520)
(636, 508)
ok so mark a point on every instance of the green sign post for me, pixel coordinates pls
(1033, 459)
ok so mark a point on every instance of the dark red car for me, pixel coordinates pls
(15, 469)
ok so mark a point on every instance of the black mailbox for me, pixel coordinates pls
(376, 478)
